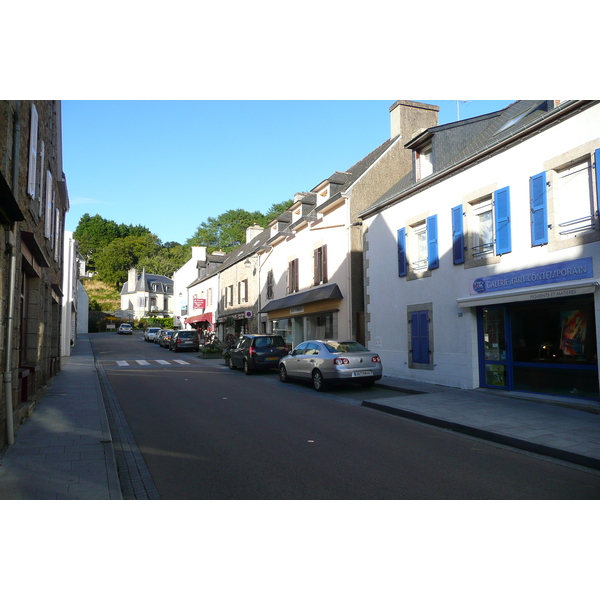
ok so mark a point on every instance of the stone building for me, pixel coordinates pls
(33, 203)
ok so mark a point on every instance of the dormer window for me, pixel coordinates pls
(423, 162)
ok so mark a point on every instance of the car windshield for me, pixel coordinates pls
(187, 334)
(265, 342)
(153, 329)
(337, 347)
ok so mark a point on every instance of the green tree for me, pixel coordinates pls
(166, 261)
(228, 230)
(114, 261)
(93, 234)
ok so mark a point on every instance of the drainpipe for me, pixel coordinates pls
(12, 244)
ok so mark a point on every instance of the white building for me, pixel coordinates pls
(75, 301)
(482, 266)
(146, 295)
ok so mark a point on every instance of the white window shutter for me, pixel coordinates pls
(33, 142)
(48, 216)
(41, 196)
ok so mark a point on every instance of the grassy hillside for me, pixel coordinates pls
(105, 295)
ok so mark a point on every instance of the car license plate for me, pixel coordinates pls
(272, 358)
(362, 373)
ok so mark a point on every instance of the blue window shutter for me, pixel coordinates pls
(419, 334)
(458, 236)
(502, 209)
(402, 252)
(539, 209)
(433, 259)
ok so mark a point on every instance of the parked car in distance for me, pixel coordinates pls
(164, 337)
(329, 361)
(184, 339)
(150, 333)
(257, 351)
(125, 329)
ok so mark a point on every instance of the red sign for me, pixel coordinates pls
(199, 303)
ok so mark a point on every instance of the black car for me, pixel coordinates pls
(185, 339)
(260, 351)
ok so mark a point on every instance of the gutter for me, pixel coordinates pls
(12, 245)
(435, 178)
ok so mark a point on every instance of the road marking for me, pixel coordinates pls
(181, 362)
(122, 363)
(163, 362)
(142, 362)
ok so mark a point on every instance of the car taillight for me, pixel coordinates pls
(252, 350)
(376, 359)
(341, 361)
(178, 341)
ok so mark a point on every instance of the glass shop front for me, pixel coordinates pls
(544, 347)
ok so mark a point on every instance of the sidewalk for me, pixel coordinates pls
(560, 428)
(64, 450)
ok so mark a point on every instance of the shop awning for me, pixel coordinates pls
(324, 292)
(538, 292)
(198, 318)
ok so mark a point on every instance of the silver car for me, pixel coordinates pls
(327, 361)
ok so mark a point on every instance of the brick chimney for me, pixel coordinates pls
(408, 118)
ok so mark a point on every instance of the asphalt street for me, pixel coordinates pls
(206, 432)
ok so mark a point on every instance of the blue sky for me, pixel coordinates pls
(169, 165)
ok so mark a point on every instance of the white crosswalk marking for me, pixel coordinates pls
(146, 363)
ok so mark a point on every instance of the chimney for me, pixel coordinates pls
(407, 118)
(252, 232)
(131, 280)
(199, 252)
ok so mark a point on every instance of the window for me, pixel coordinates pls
(270, 285)
(209, 297)
(575, 211)
(320, 265)
(293, 280)
(230, 294)
(419, 247)
(483, 228)
(490, 226)
(243, 291)
(421, 253)
(423, 162)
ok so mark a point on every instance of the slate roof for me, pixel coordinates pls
(457, 142)
(147, 281)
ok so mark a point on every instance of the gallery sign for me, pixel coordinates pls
(572, 270)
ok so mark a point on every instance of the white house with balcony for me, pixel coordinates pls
(483, 264)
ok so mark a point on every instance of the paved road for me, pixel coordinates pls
(206, 432)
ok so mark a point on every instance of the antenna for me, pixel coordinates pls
(458, 108)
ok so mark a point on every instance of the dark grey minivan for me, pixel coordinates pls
(258, 351)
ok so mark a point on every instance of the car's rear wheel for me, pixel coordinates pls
(283, 376)
(247, 368)
(318, 381)
(230, 363)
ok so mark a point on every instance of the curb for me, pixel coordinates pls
(490, 436)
